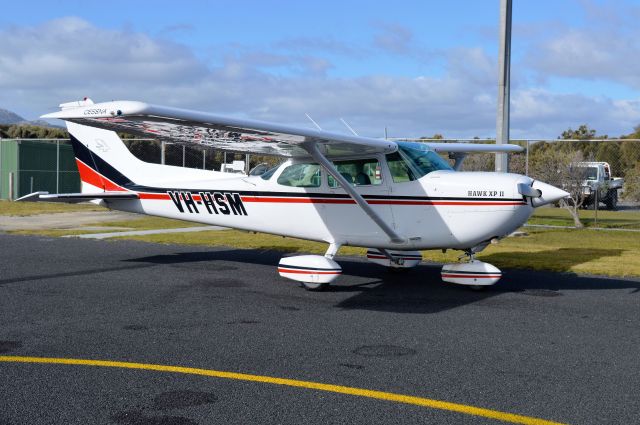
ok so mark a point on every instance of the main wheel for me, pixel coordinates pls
(314, 286)
(612, 202)
(479, 288)
(398, 270)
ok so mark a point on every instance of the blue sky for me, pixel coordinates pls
(418, 67)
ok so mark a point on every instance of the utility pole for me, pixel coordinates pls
(504, 69)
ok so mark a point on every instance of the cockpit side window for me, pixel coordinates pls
(400, 171)
(359, 172)
(301, 175)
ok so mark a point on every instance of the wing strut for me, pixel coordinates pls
(313, 149)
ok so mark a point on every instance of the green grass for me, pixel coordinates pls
(142, 223)
(245, 240)
(606, 219)
(564, 250)
(578, 251)
(33, 208)
(146, 222)
(573, 250)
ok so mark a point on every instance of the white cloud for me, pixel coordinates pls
(540, 113)
(604, 48)
(69, 58)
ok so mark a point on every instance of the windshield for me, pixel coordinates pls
(267, 174)
(418, 160)
(592, 173)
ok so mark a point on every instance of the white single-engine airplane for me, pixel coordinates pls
(395, 198)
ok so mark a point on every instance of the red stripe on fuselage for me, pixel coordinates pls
(339, 201)
(297, 271)
(146, 195)
(296, 200)
(473, 276)
(370, 201)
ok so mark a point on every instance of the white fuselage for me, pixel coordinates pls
(443, 209)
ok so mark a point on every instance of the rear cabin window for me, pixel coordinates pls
(301, 175)
(359, 172)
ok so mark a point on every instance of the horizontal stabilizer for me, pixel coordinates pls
(74, 198)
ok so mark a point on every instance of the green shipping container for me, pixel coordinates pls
(37, 166)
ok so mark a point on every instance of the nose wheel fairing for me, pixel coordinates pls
(473, 273)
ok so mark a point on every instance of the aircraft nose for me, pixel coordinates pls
(548, 194)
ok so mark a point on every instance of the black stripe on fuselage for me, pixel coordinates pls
(312, 269)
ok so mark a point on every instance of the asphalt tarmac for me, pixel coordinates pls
(554, 346)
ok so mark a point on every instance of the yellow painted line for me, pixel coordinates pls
(360, 392)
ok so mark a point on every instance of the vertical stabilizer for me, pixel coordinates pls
(95, 151)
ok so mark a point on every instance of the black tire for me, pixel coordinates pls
(398, 270)
(314, 287)
(612, 201)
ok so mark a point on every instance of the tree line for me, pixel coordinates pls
(624, 156)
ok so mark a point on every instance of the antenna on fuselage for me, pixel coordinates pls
(349, 127)
(314, 123)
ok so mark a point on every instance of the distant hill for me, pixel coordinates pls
(11, 118)
(7, 117)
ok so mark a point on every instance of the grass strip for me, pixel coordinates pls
(578, 251)
(12, 208)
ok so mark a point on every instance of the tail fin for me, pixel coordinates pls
(95, 150)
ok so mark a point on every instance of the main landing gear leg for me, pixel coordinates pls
(332, 250)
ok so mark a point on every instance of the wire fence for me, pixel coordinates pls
(29, 165)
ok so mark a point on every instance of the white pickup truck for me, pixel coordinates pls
(599, 185)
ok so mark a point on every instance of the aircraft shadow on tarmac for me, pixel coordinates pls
(420, 290)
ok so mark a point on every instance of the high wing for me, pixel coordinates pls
(221, 132)
(234, 134)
